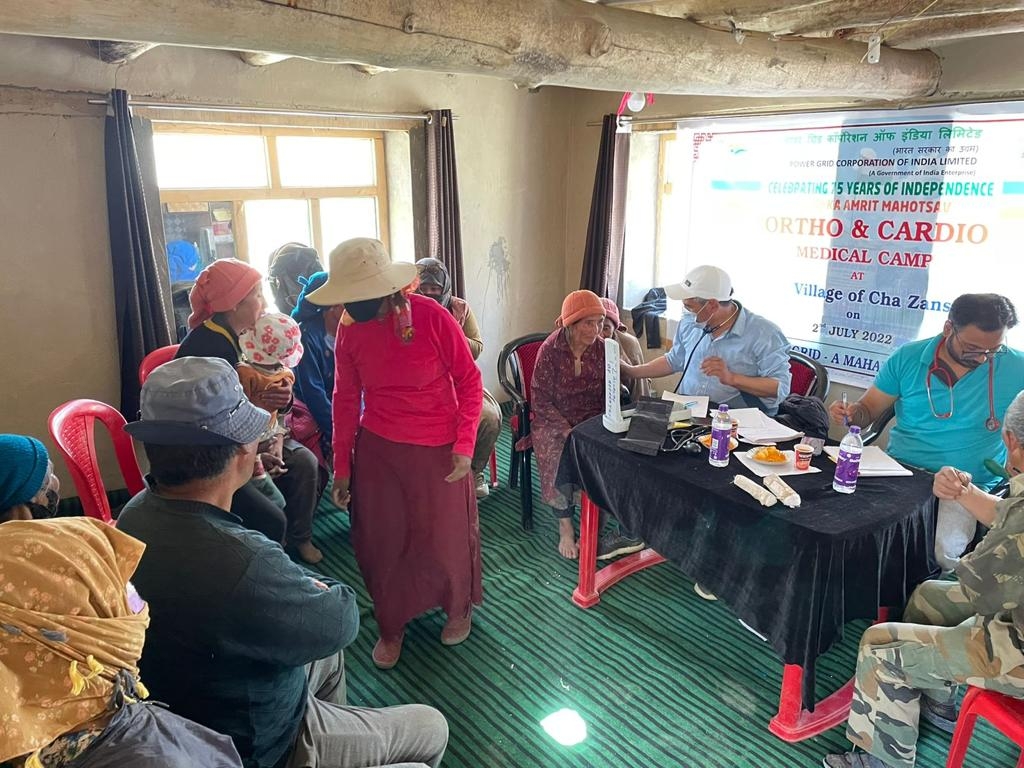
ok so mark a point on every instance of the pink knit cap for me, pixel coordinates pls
(611, 311)
(220, 287)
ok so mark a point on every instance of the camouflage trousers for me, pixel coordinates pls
(940, 644)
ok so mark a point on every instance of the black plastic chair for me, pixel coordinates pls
(874, 430)
(515, 374)
(809, 377)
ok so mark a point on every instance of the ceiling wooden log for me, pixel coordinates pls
(531, 42)
(922, 34)
(115, 52)
(815, 16)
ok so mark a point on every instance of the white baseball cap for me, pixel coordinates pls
(703, 282)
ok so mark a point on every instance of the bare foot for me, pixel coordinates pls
(567, 546)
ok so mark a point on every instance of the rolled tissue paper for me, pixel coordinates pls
(783, 492)
(755, 490)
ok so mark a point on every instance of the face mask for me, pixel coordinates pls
(45, 511)
(695, 316)
(364, 311)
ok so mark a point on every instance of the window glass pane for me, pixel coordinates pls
(325, 161)
(269, 224)
(342, 218)
(210, 161)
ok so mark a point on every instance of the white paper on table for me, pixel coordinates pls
(874, 462)
(697, 404)
(759, 428)
(763, 470)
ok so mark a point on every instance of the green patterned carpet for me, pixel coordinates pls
(658, 676)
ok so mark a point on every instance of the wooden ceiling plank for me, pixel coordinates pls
(530, 42)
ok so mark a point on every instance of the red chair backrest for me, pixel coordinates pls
(527, 355)
(72, 427)
(804, 377)
(155, 359)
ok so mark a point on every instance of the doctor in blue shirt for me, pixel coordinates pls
(722, 349)
(949, 392)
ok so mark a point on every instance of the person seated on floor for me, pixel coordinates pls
(721, 348)
(629, 349)
(948, 391)
(70, 639)
(568, 389)
(310, 419)
(242, 639)
(29, 490)
(953, 632)
(436, 283)
(227, 300)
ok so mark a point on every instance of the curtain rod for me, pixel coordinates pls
(800, 109)
(269, 112)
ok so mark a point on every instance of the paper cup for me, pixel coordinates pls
(802, 455)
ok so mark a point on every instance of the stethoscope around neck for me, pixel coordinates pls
(992, 424)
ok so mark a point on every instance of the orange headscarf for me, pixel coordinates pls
(68, 638)
(220, 287)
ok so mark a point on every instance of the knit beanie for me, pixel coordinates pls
(23, 463)
(611, 311)
(304, 310)
(577, 305)
(220, 287)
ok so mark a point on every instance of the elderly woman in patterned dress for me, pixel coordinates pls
(568, 388)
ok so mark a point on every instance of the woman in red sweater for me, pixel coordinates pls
(405, 457)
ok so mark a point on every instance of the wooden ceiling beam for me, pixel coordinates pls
(530, 42)
(817, 16)
(915, 35)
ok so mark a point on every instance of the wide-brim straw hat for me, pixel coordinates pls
(362, 269)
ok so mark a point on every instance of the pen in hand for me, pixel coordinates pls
(846, 413)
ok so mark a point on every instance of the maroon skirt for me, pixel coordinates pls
(416, 537)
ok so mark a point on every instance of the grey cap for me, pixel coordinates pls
(197, 401)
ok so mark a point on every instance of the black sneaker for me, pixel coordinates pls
(615, 545)
(942, 716)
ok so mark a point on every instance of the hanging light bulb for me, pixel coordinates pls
(637, 100)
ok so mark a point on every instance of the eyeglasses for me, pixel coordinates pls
(974, 353)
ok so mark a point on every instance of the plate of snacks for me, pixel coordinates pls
(705, 440)
(770, 455)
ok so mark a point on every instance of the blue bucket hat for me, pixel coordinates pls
(197, 401)
(23, 465)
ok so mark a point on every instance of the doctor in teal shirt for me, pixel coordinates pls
(949, 393)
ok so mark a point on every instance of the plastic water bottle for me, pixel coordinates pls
(721, 432)
(848, 462)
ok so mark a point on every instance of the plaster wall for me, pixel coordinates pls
(57, 288)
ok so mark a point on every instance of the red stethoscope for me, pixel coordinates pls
(992, 424)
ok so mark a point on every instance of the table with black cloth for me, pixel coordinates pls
(795, 575)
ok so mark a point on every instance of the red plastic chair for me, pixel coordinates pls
(72, 427)
(155, 359)
(809, 377)
(515, 373)
(1004, 712)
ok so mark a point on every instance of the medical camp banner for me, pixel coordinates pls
(854, 231)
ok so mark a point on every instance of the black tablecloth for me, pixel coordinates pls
(795, 575)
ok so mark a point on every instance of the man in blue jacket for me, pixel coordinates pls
(242, 639)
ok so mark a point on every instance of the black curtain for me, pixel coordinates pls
(444, 224)
(141, 286)
(602, 257)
